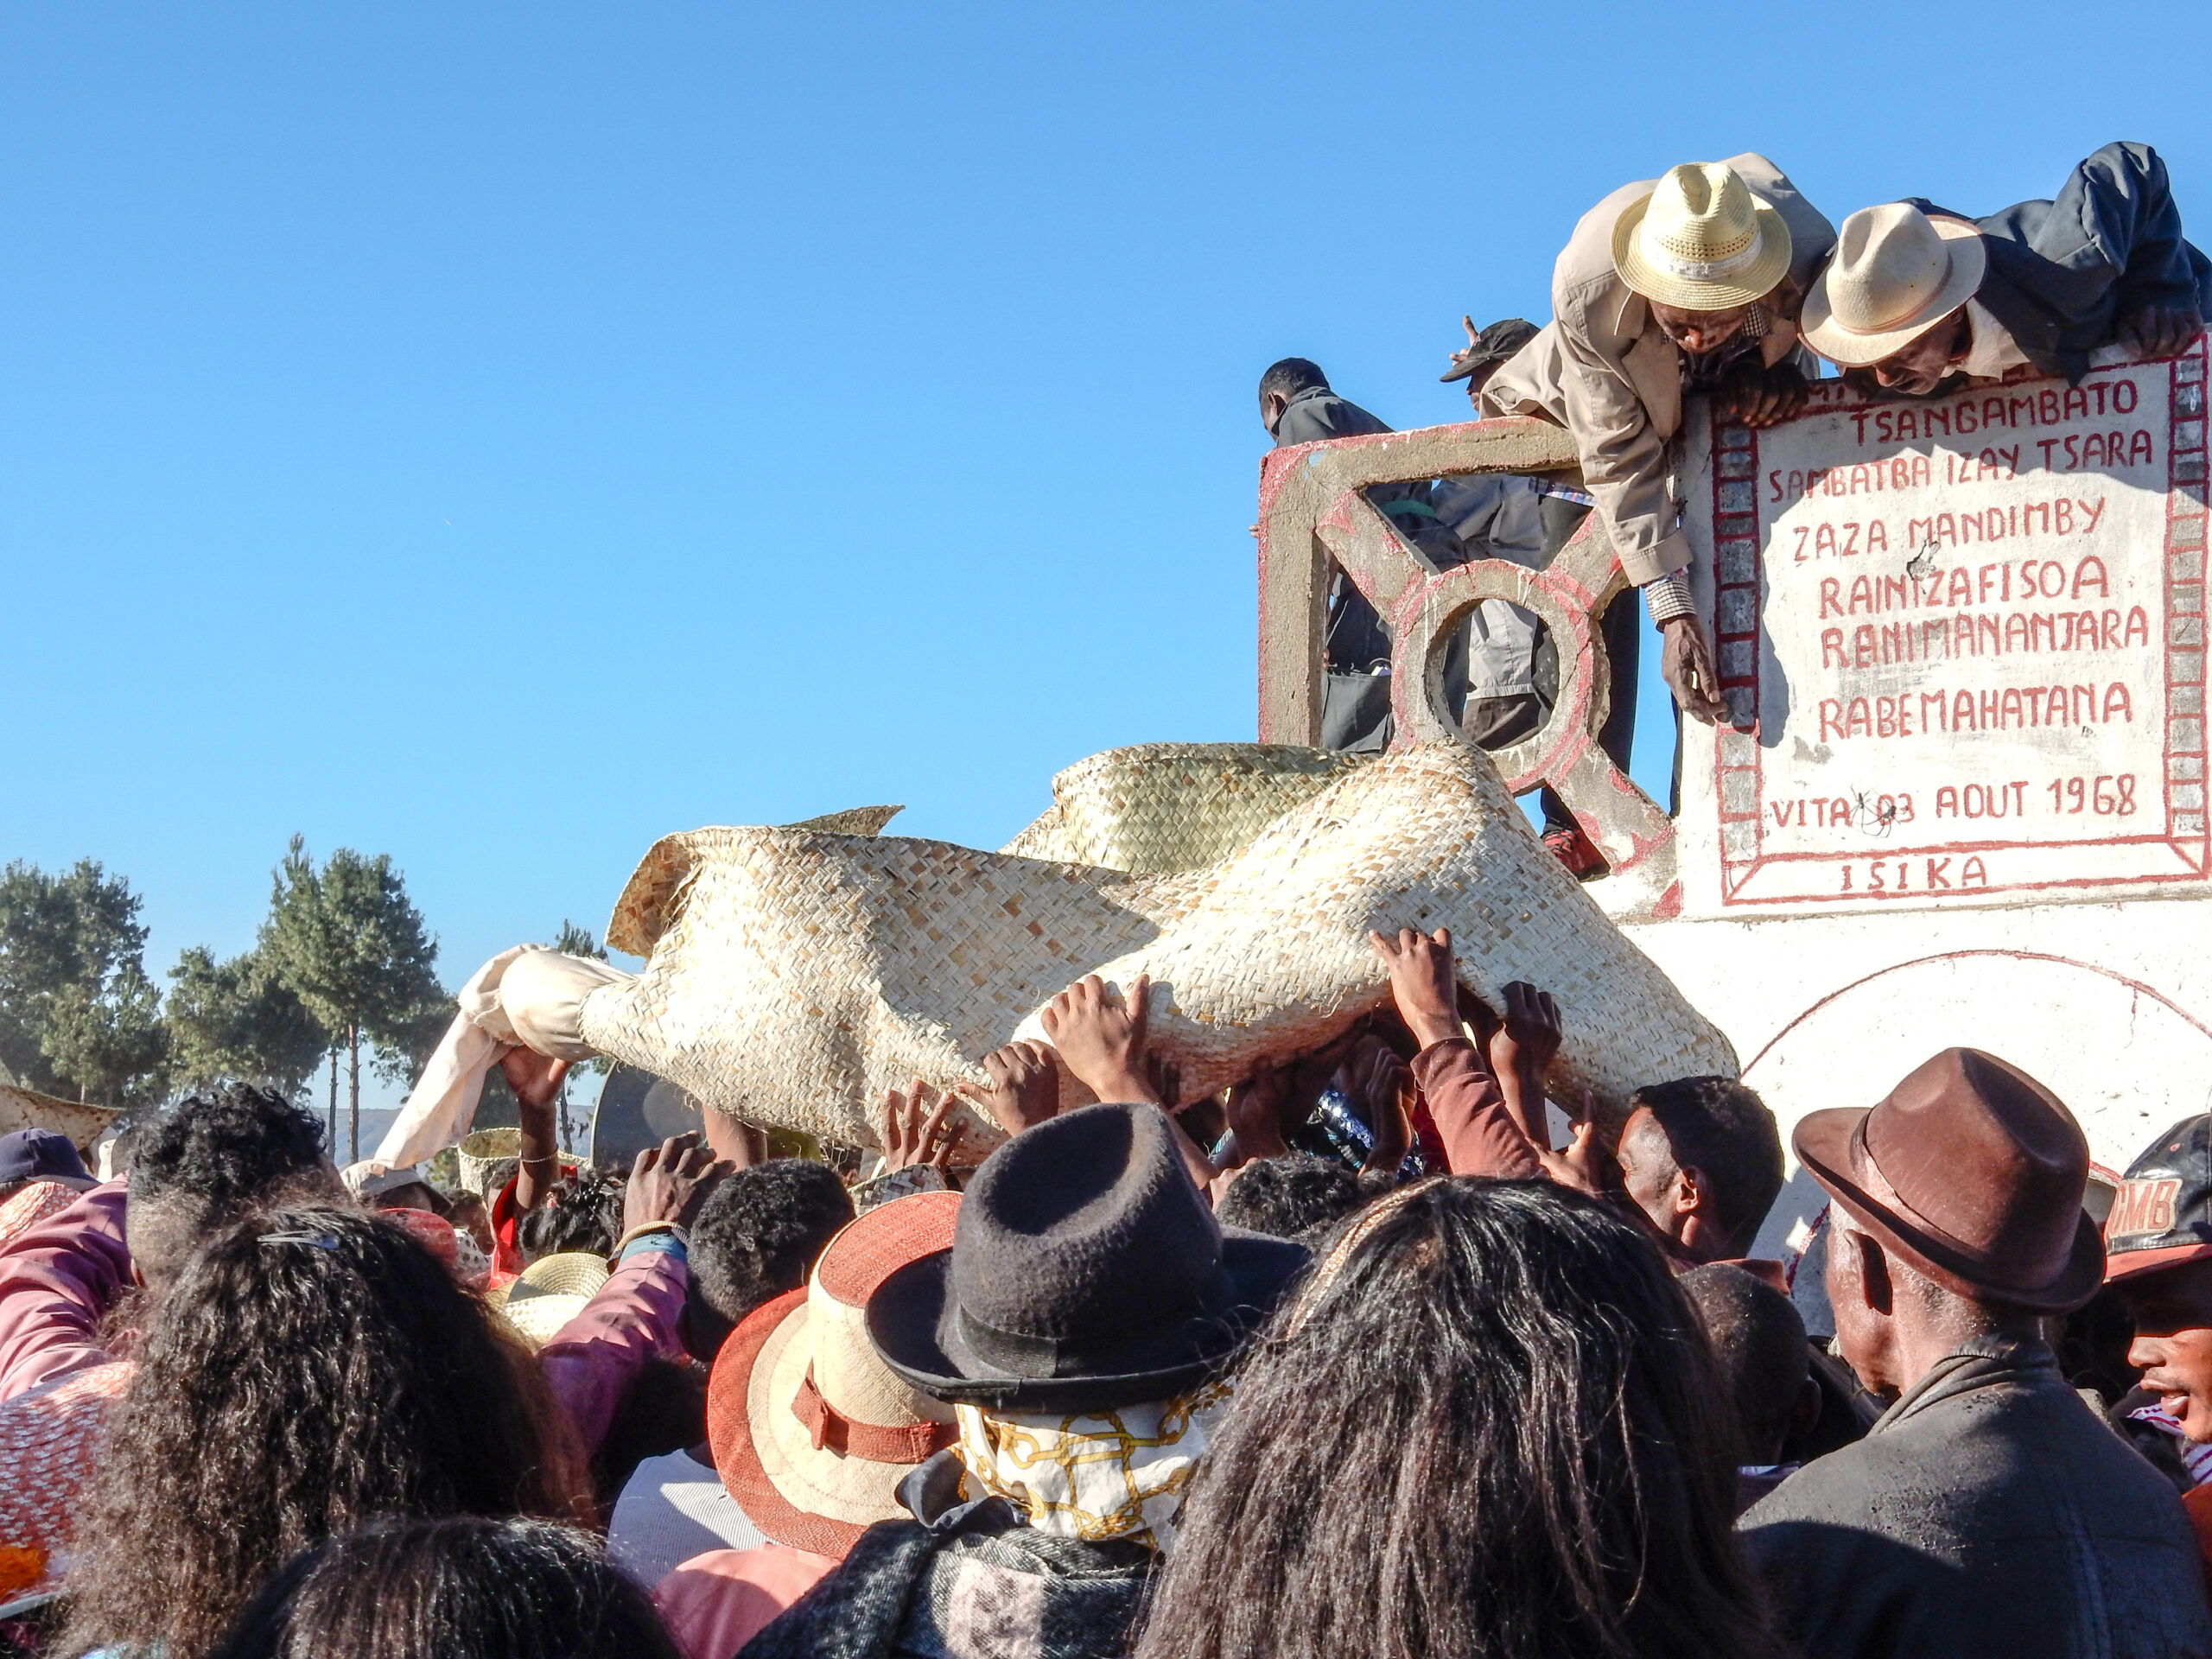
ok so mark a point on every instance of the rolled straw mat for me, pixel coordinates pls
(792, 975)
(1160, 808)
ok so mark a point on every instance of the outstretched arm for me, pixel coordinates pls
(1522, 1049)
(536, 1079)
(591, 1361)
(2120, 204)
(1479, 1133)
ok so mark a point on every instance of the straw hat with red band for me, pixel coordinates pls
(811, 1431)
(1972, 1172)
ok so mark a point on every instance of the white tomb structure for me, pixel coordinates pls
(1965, 640)
(1964, 801)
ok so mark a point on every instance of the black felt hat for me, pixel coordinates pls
(1086, 1272)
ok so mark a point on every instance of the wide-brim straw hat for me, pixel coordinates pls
(1895, 274)
(1702, 240)
(549, 1292)
(792, 976)
(811, 1431)
(483, 1150)
(1973, 1172)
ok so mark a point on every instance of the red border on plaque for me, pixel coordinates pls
(1737, 591)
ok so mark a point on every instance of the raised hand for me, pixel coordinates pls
(536, 1079)
(1254, 1111)
(1585, 1164)
(668, 1182)
(1101, 1039)
(1522, 1048)
(919, 1127)
(1025, 1086)
(1422, 982)
(1382, 1084)
(1527, 1040)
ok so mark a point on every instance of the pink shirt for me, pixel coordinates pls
(57, 1281)
(594, 1358)
(716, 1603)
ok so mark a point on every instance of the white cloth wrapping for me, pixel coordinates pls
(527, 997)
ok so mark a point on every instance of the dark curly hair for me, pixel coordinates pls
(1492, 1425)
(458, 1589)
(212, 1159)
(582, 1211)
(311, 1368)
(756, 1238)
(1288, 1195)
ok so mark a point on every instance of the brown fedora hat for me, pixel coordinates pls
(1973, 1172)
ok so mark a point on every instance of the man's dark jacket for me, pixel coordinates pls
(1356, 707)
(2064, 274)
(1989, 1512)
(1355, 637)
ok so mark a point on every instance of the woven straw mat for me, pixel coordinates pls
(1167, 807)
(27, 1108)
(793, 976)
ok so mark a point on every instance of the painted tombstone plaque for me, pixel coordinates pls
(1967, 636)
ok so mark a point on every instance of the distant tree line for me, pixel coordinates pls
(341, 963)
(342, 971)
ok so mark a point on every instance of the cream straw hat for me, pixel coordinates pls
(1896, 273)
(551, 1291)
(1700, 240)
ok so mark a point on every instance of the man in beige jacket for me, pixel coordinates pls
(1689, 282)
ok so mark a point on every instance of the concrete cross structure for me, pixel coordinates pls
(1964, 801)
(1312, 511)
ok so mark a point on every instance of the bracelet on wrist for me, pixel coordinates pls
(646, 1229)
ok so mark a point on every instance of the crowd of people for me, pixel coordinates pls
(1358, 1358)
(1720, 278)
(1375, 1353)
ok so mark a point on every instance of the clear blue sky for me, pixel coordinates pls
(444, 430)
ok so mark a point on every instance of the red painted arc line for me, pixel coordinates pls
(2136, 985)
